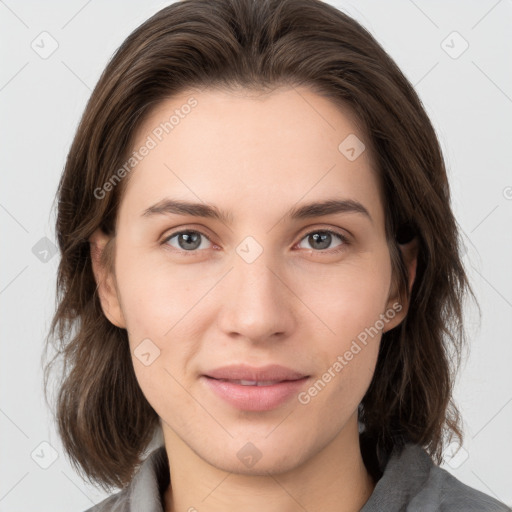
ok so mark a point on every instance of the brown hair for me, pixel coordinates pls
(103, 418)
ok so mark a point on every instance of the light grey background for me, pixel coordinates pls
(469, 99)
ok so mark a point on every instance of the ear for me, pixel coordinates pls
(105, 280)
(409, 252)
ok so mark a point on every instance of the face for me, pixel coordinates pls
(260, 285)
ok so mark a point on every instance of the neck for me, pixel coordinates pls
(333, 479)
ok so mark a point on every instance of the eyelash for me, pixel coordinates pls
(340, 248)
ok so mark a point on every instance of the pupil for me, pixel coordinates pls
(191, 238)
(325, 239)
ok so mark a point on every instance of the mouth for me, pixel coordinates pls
(252, 375)
(255, 395)
(255, 382)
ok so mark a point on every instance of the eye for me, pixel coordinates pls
(191, 240)
(187, 241)
(321, 240)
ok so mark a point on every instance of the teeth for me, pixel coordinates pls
(254, 383)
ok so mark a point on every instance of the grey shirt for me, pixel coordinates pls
(410, 482)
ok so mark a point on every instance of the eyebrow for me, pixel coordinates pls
(315, 209)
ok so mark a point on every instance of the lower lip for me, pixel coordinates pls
(255, 398)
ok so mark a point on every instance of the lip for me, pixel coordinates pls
(274, 372)
(253, 397)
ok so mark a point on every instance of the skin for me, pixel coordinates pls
(256, 156)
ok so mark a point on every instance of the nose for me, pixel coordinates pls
(257, 302)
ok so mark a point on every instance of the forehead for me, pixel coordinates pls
(250, 151)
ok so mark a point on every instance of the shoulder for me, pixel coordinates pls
(144, 492)
(450, 494)
(411, 481)
(118, 502)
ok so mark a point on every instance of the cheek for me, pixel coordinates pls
(155, 308)
(155, 297)
(350, 302)
(349, 358)
(162, 309)
(350, 297)
(347, 373)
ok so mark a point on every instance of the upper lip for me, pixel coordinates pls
(273, 372)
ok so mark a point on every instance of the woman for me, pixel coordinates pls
(262, 271)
